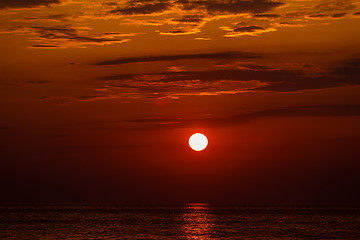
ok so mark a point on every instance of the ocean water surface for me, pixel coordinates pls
(190, 221)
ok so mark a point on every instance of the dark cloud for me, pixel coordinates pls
(63, 36)
(189, 19)
(214, 75)
(26, 3)
(67, 32)
(337, 5)
(66, 35)
(326, 9)
(134, 7)
(177, 31)
(212, 7)
(220, 55)
(210, 82)
(255, 67)
(246, 77)
(346, 73)
(110, 4)
(45, 46)
(39, 82)
(349, 71)
(230, 7)
(53, 17)
(189, 16)
(338, 15)
(334, 9)
(322, 15)
(267, 15)
(248, 29)
(357, 13)
(340, 110)
(241, 29)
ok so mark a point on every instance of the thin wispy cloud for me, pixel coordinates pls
(47, 18)
(217, 55)
(329, 110)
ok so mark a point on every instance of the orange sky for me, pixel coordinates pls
(98, 100)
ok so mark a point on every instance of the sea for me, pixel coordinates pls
(188, 221)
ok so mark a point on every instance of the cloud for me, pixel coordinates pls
(326, 9)
(70, 33)
(331, 9)
(229, 7)
(139, 22)
(263, 75)
(266, 15)
(210, 7)
(229, 78)
(110, 4)
(134, 7)
(183, 30)
(39, 82)
(348, 71)
(248, 29)
(344, 74)
(334, 15)
(45, 46)
(47, 18)
(240, 30)
(337, 5)
(338, 110)
(212, 75)
(184, 17)
(136, 89)
(26, 3)
(195, 18)
(226, 74)
(68, 36)
(218, 55)
(184, 83)
(188, 16)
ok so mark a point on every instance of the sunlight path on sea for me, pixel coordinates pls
(197, 221)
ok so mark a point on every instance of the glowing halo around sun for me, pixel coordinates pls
(198, 142)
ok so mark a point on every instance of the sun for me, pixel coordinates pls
(198, 141)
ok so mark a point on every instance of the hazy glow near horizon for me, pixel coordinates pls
(198, 141)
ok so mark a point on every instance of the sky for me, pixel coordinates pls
(99, 98)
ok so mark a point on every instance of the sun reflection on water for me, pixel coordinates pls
(198, 222)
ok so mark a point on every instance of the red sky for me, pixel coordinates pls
(98, 100)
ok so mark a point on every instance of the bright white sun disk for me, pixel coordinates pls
(198, 142)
